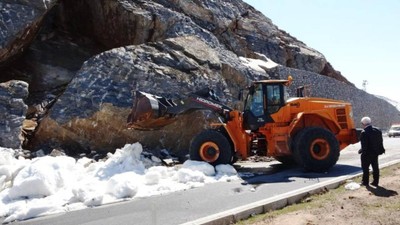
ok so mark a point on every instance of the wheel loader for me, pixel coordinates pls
(304, 130)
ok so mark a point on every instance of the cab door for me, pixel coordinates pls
(262, 100)
(275, 97)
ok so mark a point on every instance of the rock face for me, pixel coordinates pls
(238, 26)
(90, 56)
(12, 111)
(20, 23)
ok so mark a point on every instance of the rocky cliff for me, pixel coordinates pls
(83, 59)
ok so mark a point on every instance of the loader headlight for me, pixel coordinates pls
(351, 113)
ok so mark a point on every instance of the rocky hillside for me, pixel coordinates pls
(79, 62)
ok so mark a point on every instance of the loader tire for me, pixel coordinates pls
(316, 149)
(211, 146)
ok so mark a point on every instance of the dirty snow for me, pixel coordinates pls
(47, 185)
(352, 186)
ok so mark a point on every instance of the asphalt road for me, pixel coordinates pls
(263, 185)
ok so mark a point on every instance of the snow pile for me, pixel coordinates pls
(352, 186)
(9, 166)
(47, 185)
(259, 64)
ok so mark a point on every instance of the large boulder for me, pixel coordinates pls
(12, 111)
(92, 112)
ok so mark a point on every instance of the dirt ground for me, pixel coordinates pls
(366, 205)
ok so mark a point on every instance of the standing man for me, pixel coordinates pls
(371, 148)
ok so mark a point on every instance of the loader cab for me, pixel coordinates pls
(263, 99)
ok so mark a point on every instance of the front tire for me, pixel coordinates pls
(316, 149)
(211, 146)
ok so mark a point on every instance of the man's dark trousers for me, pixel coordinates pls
(366, 160)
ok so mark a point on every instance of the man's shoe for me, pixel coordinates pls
(374, 184)
(364, 184)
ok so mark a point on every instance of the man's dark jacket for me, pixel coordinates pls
(371, 141)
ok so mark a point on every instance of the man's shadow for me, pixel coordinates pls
(381, 191)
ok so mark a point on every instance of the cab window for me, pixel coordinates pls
(255, 101)
(274, 98)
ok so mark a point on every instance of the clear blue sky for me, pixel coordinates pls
(360, 38)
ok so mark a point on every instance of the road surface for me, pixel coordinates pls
(263, 186)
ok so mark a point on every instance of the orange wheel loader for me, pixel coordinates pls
(308, 131)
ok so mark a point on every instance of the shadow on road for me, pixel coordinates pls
(278, 173)
(382, 192)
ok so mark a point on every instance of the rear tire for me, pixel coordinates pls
(211, 146)
(316, 149)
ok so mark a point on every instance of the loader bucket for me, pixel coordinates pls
(149, 112)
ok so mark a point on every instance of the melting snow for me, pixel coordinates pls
(47, 185)
(352, 186)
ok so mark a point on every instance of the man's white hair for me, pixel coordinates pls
(366, 120)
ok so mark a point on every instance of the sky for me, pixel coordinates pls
(48, 185)
(360, 38)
